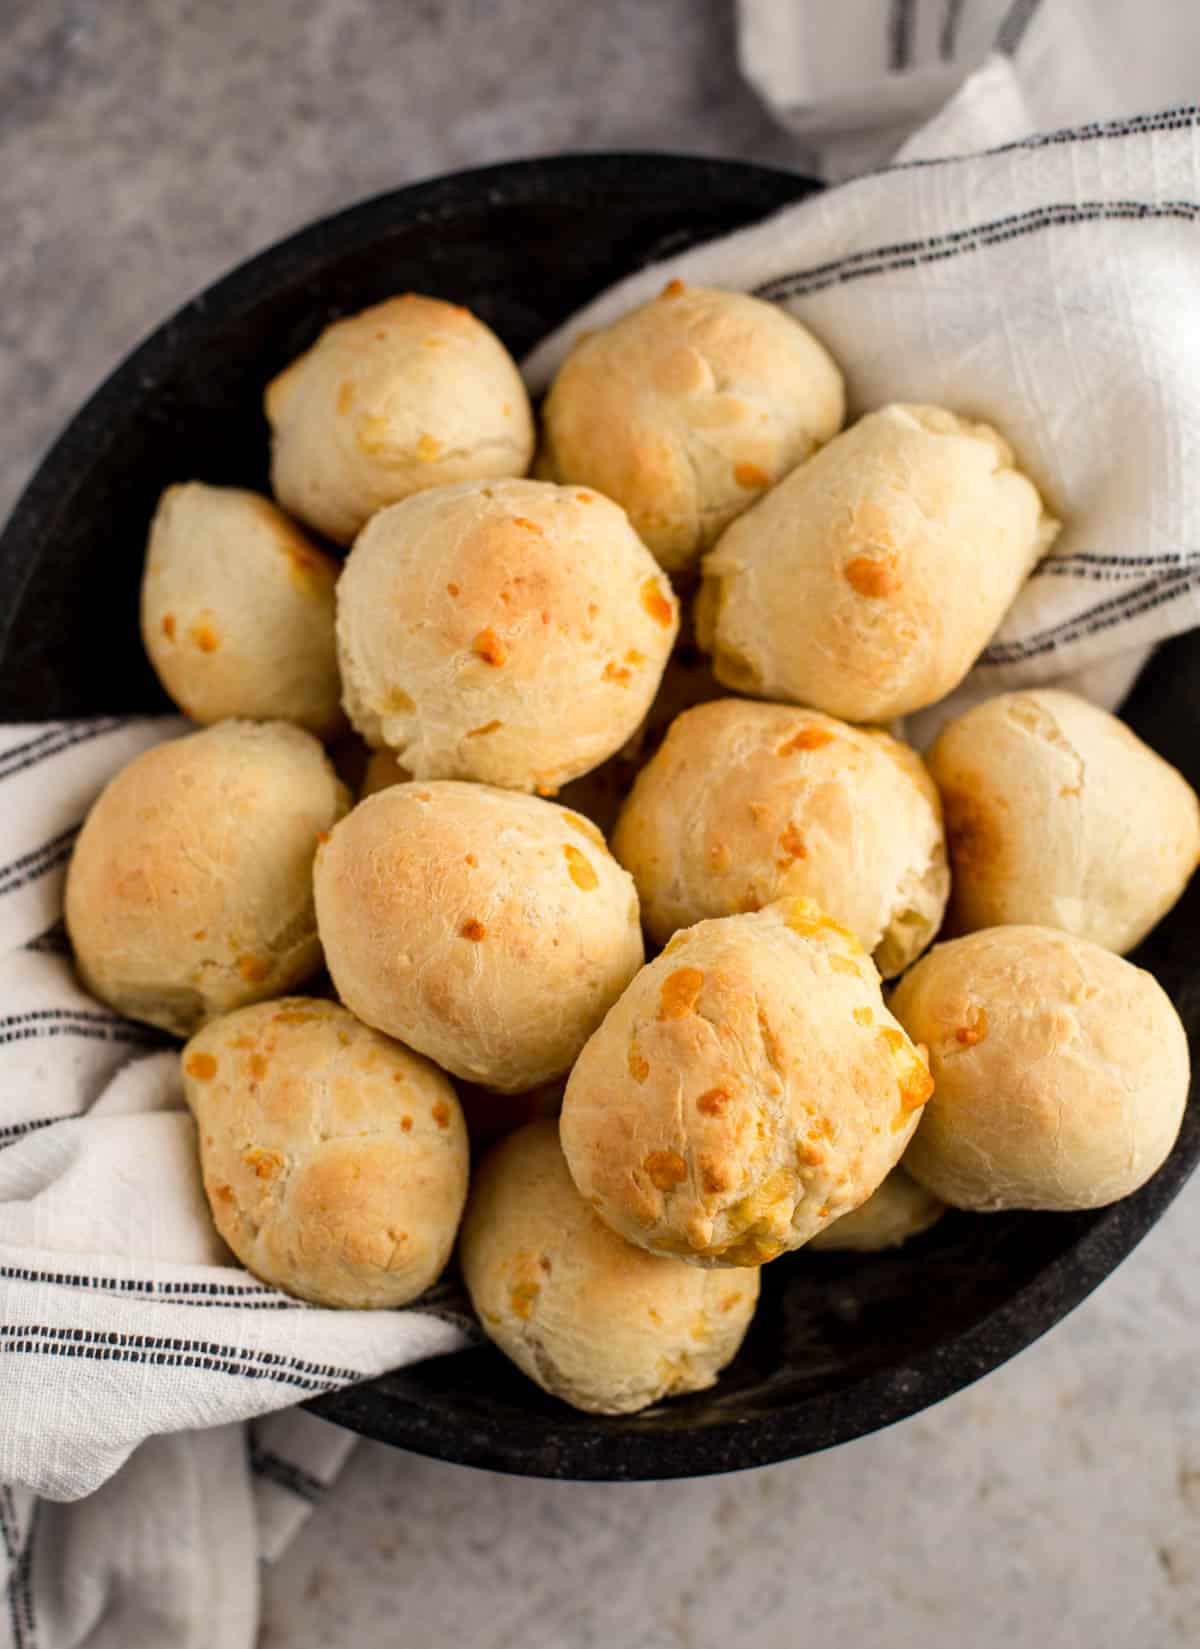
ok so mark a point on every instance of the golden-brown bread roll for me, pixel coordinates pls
(1057, 814)
(334, 1160)
(900, 1209)
(513, 633)
(590, 1318)
(1061, 1071)
(238, 611)
(748, 1088)
(747, 802)
(868, 582)
(190, 888)
(409, 394)
(487, 929)
(687, 409)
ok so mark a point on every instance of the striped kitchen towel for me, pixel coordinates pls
(851, 81)
(1048, 285)
(125, 1323)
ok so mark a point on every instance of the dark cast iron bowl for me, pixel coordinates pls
(841, 1345)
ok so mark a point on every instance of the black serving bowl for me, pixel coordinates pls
(841, 1344)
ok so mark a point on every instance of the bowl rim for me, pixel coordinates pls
(148, 362)
(818, 1421)
(582, 1451)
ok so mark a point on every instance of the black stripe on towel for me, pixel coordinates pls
(25, 1580)
(37, 861)
(900, 34)
(28, 1344)
(1117, 574)
(948, 38)
(46, 736)
(1121, 564)
(246, 1296)
(1177, 119)
(14, 1131)
(89, 1016)
(884, 260)
(285, 1474)
(10, 1532)
(169, 1351)
(54, 742)
(1092, 621)
(127, 1034)
(1012, 31)
(20, 1578)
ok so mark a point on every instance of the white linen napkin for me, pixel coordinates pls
(851, 81)
(1051, 285)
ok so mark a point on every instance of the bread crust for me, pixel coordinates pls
(746, 802)
(868, 582)
(1059, 816)
(189, 892)
(747, 1089)
(408, 394)
(513, 633)
(687, 409)
(237, 611)
(489, 930)
(334, 1160)
(590, 1318)
(1061, 1071)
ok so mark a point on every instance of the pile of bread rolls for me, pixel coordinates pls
(555, 780)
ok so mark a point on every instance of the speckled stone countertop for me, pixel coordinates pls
(146, 147)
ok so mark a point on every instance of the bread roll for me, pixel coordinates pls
(489, 930)
(513, 633)
(408, 394)
(1057, 814)
(687, 409)
(746, 803)
(593, 1320)
(1061, 1071)
(190, 888)
(334, 1160)
(237, 611)
(869, 581)
(747, 1089)
(899, 1210)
